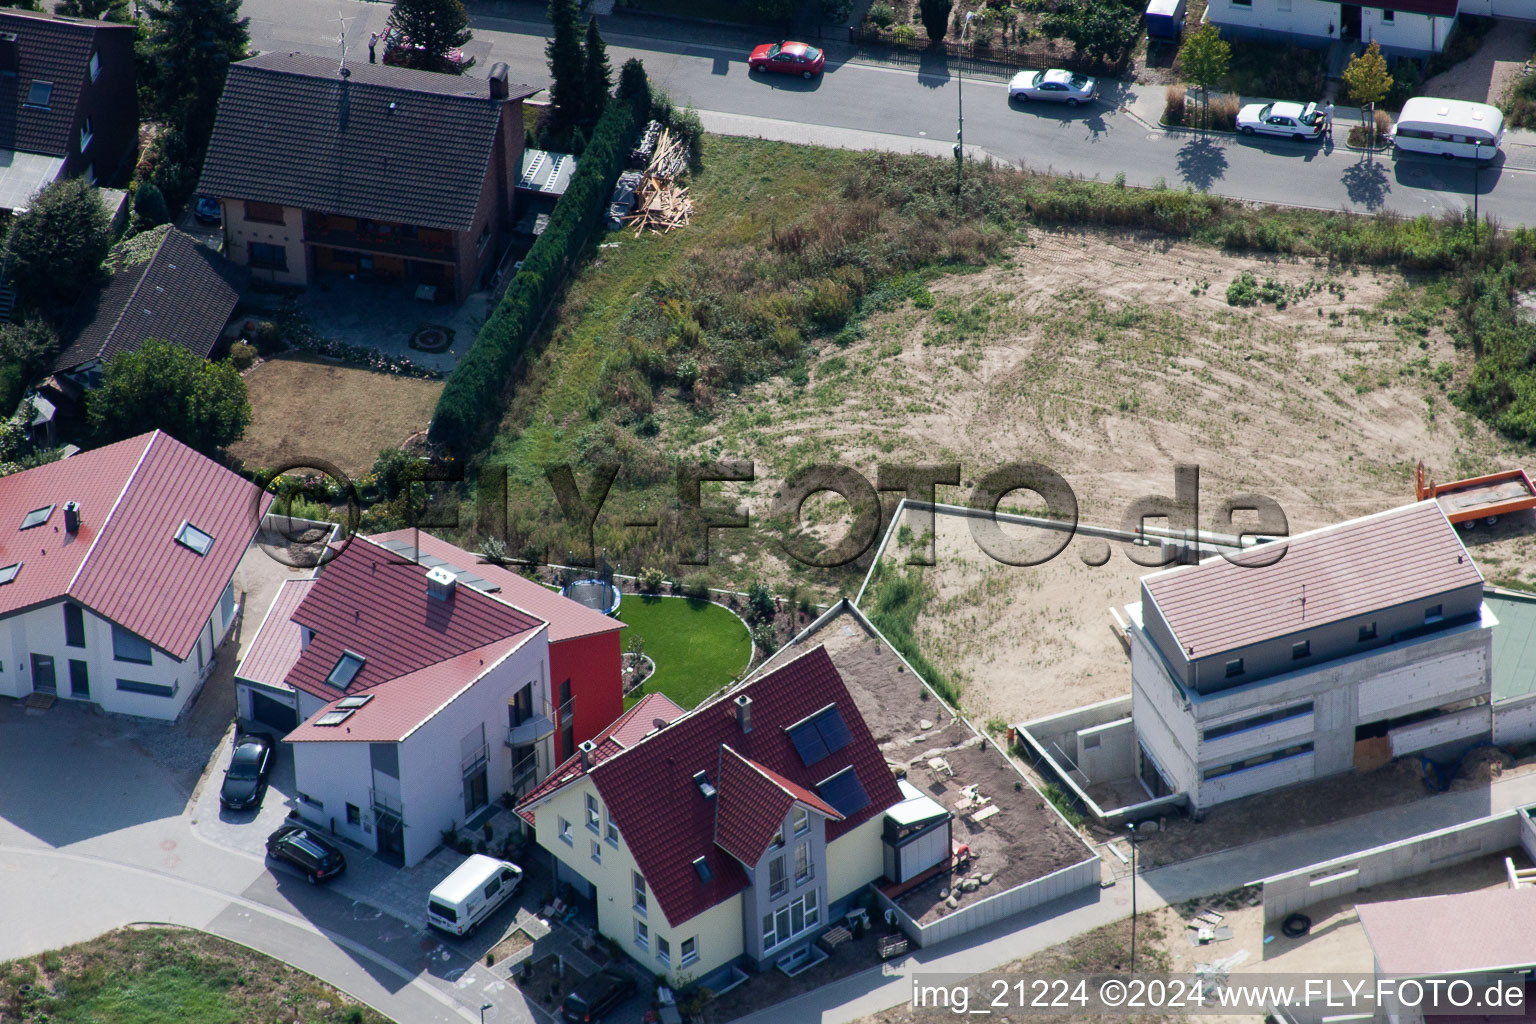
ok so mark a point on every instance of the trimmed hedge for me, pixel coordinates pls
(473, 396)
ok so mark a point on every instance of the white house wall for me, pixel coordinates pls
(1308, 19)
(1410, 33)
(1425, 682)
(41, 631)
(1256, 780)
(1162, 726)
(1514, 721)
(330, 776)
(1107, 752)
(1522, 9)
(1461, 725)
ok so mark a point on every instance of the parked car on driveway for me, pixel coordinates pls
(1299, 121)
(206, 210)
(245, 780)
(788, 58)
(301, 846)
(596, 996)
(1055, 85)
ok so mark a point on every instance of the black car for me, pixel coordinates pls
(206, 210)
(596, 996)
(306, 850)
(245, 780)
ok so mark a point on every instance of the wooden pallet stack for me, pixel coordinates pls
(661, 203)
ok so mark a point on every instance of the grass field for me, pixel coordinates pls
(167, 976)
(302, 407)
(698, 647)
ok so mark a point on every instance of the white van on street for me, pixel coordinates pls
(1449, 128)
(472, 893)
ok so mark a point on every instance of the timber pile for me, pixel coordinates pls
(661, 204)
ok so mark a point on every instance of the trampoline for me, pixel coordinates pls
(599, 595)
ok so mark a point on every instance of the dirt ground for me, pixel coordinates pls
(304, 407)
(1487, 75)
(1024, 840)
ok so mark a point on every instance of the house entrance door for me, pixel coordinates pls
(391, 834)
(476, 791)
(1349, 21)
(43, 678)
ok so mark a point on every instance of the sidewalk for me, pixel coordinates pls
(1015, 938)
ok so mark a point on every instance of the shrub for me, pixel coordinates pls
(1223, 112)
(1520, 104)
(760, 600)
(766, 637)
(1173, 104)
(268, 338)
(650, 580)
(905, 35)
(242, 355)
(1244, 291)
(882, 15)
(149, 209)
(1407, 76)
(696, 586)
(475, 391)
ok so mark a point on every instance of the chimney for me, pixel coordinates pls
(8, 53)
(744, 713)
(586, 747)
(440, 583)
(498, 79)
(72, 516)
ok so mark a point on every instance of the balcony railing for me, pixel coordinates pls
(536, 726)
(388, 239)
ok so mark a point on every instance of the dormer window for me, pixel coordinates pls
(701, 867)
(701, 780)
(190, 536)
(85, 135)
(95, 66)
(40, 94)
(346, 670)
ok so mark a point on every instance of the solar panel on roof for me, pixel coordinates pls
(399, 547)
(820, 735)
(430, 561)
(844, 792)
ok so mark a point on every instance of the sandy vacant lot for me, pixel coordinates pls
(303, 408)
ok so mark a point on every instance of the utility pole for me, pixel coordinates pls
(1132, 827)
(1477, 181)
(970, 16)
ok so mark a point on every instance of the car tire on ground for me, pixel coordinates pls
(311, 878)
(1300, 137)
(805, 75)
(1295, 926)
(1073, 101)
(759, 67)
(1246, 130)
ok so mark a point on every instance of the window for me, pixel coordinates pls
(778, 840)
(189, 536)
(9, 572)
(1215, 732)
(128, 646)
(1234, 668)
(663, 951)
(74, 625)
(85, 135)
(263, 213)
(1242, 3)
(267, 257)
(642, 934)
(492, 887)
(701, 867)
(1432, 613)
(37, 517)
(790, 920)
(1256, 760)
(1388, 17)
(306, 798)
(95, 66)
(520, 709)
(227, 603)
(690, 950)
(597, 852)
(1367, 632)
(638, 884)
(565, 832)
(701, 780)
(346, 670)
(151, 689)
(1301, 649)
(354, 815)
(802, 820)
(778, 883)
(613, 831)
(594, 816)
(802, 863)
(40, 94)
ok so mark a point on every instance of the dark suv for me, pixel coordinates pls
(245, 780)
(302, 847)
(596, 996)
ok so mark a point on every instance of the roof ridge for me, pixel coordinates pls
(483, 593)
(293, 72)
(147, 266)
(107, 519)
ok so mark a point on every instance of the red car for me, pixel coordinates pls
(788, 58)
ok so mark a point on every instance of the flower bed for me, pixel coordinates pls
(299, 335)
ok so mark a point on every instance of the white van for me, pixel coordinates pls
(1449, 128)
(472, 893)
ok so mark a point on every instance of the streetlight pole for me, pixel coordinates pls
(483, 1008)
(970, 16)
(1477, 180)
(1132, 827)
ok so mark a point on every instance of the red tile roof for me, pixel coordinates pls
(752, 804)
(1350, 569)
(279, 641)
(668, 823)
(567, 619)
(1463, 932)
(651, 712)
(401, 705)
(125, 563)
(374, 603)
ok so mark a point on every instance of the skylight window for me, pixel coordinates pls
(353, 703)
(702, 867)
(191, 537)
(334, 717)
(820, 735)
(37, 517)
(40, 94)
(346, 670)
(844, 792)
(9, 573)
(701, 780)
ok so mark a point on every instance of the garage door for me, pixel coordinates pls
(273, 713)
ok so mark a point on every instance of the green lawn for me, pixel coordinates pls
(697, 646)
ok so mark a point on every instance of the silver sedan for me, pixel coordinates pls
(1056, 84)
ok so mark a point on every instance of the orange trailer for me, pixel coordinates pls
(1484, 497)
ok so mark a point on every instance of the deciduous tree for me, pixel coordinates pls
(57, 246)
(1368, 81)
(163, 385)
(433, 27)
(1204, 59)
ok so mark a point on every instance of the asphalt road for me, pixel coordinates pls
(706, 67)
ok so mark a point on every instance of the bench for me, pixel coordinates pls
(891, 945)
